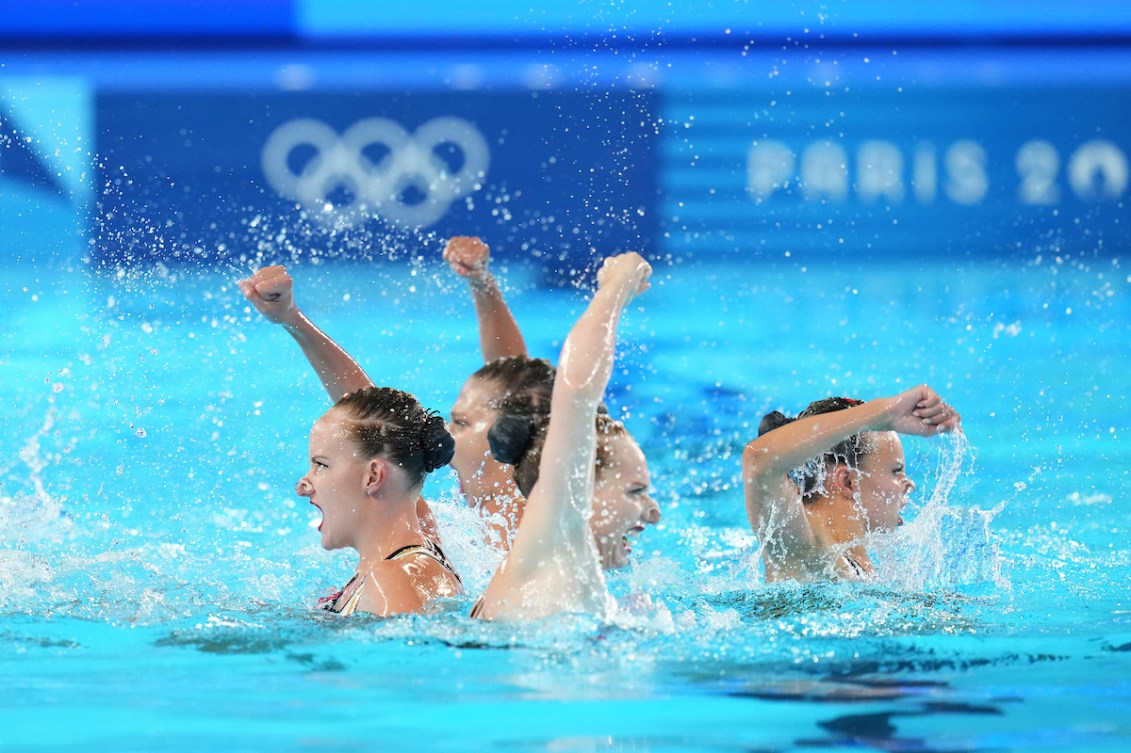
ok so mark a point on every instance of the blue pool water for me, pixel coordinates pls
(157, 571)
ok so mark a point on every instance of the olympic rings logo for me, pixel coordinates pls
(376, 167)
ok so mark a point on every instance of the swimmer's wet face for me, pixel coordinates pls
(622, 504)
(883, 484)
(471, 417)
(335, 483)
(512, 384)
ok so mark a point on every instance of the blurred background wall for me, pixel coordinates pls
(198, 131)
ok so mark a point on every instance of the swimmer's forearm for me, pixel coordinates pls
(336, 369)
(586, 362)
(499, 334)
(791, 446)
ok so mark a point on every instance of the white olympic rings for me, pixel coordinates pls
(379, 186)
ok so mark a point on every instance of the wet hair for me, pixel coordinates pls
(518, 441)
(391, 424)
(607, 427)
(849, 451)
(525, 384)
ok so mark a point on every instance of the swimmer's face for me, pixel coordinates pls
(336, 481)
(884, 488)
(622, 505)
(480, 475)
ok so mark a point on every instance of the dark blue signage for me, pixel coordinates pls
(191, 176)
(165, 19)
(518, 19)
(909, 171)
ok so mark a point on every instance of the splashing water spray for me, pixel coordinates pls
(945, 546)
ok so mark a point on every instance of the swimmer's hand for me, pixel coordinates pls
(271, 291)
(468, 257)
(921, 412)
(628, 271)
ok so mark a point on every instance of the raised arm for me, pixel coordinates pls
(553, 565)
(560, 504)
(499, 334)
(773, 500)
(271, 291)
(919, 411)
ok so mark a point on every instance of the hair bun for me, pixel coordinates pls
(439, 446)
(510, 437)
(773, 420)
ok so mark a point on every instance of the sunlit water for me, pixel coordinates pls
(158, 573)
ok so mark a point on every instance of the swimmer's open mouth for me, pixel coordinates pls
(317, 524)
(634, 532)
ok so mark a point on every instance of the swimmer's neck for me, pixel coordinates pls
(388, 527)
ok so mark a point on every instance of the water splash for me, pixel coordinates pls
(30, 522)
(945, 546)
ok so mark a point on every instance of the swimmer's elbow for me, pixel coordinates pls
(757, 461)
(579, 381)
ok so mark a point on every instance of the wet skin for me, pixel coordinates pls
(622, 505)
(335, 483)
(884, 487)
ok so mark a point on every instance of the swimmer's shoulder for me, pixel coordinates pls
(407, 585)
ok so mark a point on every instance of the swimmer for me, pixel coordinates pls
(271, 291)
(554, 564)
(509, 381)
(369, 457)
(513, 384)
(818, 484)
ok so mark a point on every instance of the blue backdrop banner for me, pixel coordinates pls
(224, 175)
(911, 171)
